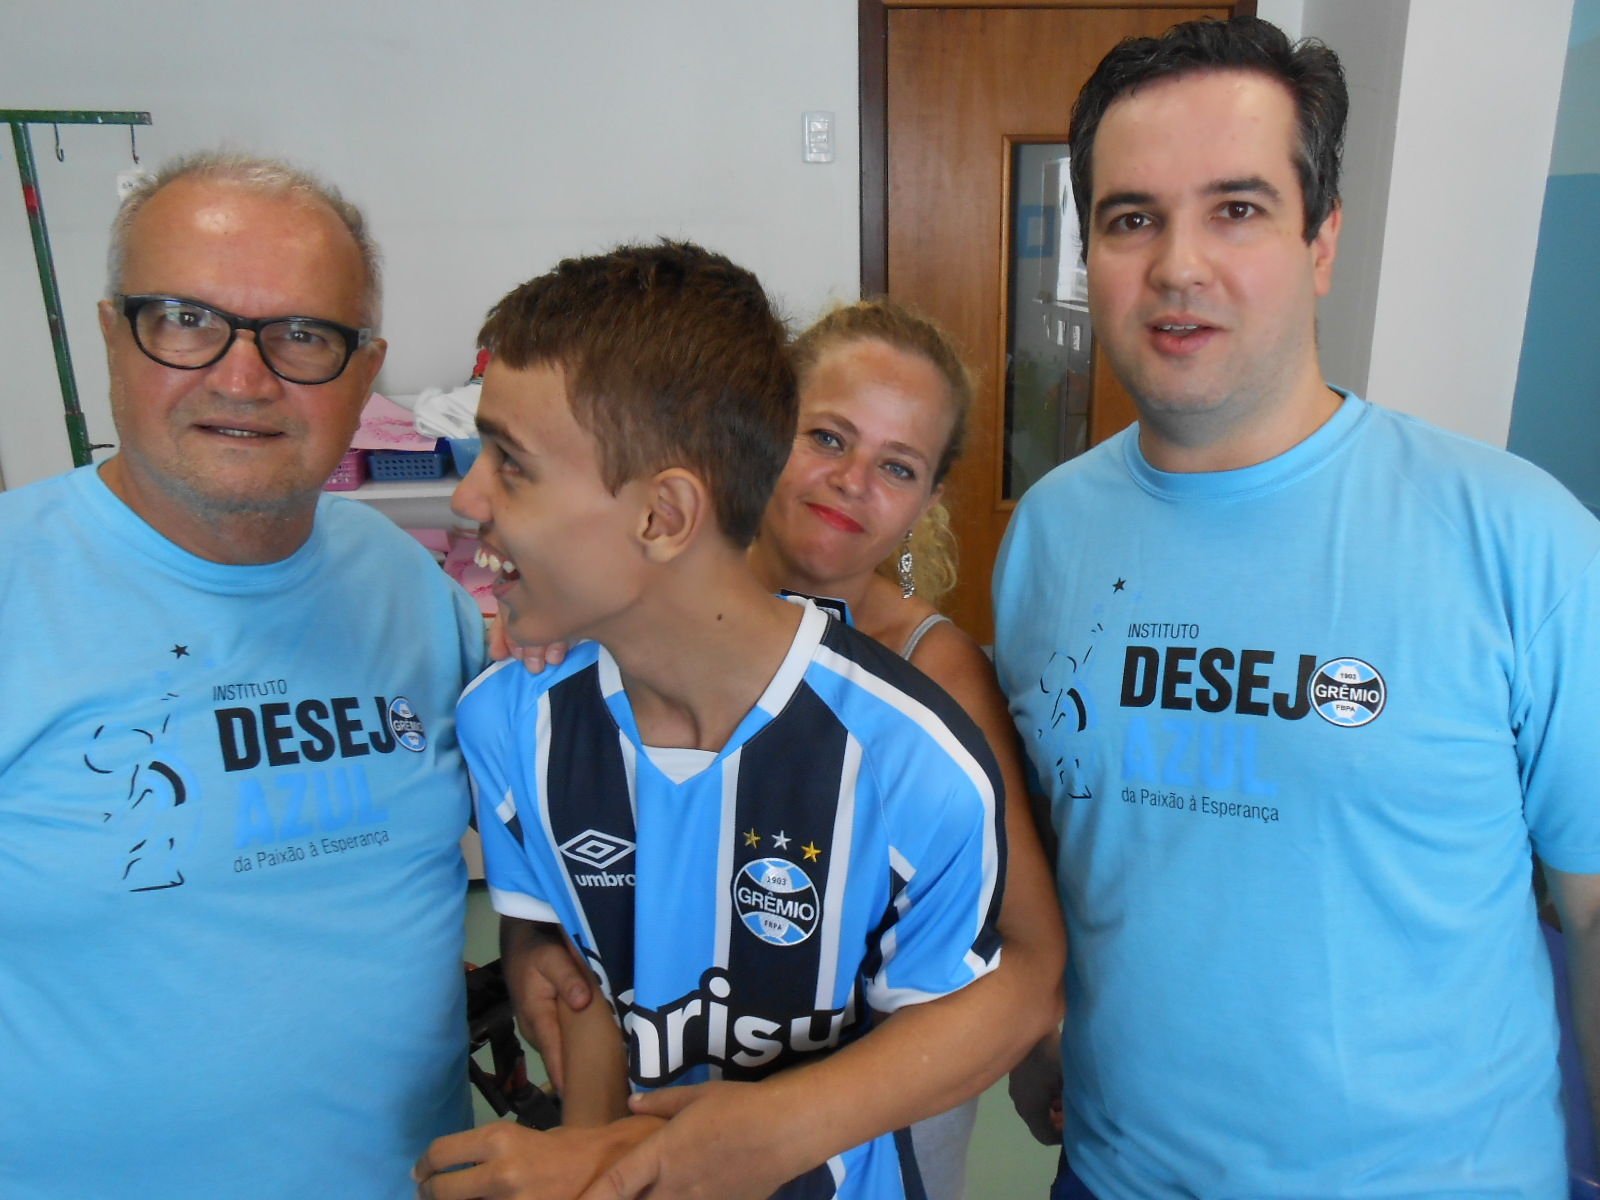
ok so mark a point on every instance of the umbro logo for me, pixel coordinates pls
(597, 850)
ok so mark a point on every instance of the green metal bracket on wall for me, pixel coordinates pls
(19, 119)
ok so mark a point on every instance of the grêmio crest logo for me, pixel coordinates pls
(1348, 692)
(1252, 683)
(776, 901)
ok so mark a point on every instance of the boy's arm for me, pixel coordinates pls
(504, 1161)
(742, 1141)
(737, 1140)
(540, 963)
(596, 1091)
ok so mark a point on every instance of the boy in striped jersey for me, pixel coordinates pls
(764, 832)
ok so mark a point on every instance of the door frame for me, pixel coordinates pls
(872, 19)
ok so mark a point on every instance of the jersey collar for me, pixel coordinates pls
(785, 682)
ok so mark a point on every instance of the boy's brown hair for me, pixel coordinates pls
(674, 357)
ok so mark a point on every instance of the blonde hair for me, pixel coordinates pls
(933, 546)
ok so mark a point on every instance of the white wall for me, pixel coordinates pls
(1475, 121)
(488, 138)
(1370, 38)
(1287, 15)
(485, 138)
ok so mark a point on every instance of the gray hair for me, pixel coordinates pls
(269, 175)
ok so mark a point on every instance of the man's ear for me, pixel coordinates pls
(369, 359)
(108, 321)
(678, 505)
(1325, 249)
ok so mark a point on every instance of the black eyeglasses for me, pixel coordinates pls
(188, 335)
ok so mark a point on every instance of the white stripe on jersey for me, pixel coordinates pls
(844, 824)
(940, 733)
(879, 994)
(610, 675)
(491, 669)
(477, 809)
(813, 624)
(901, 865)
(726, 839)
(542, 782)
(836, 1169)
(725, 843)
(889, 1000)
(518, 904)
(506, 809)
(630, 771)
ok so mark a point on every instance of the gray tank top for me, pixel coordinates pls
(920, 632)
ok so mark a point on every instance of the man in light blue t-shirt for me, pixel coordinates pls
(230, 792)
(1307, 684)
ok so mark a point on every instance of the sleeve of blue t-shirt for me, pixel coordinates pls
(946, 826)
(1556, 717)
(486, 719)
(474, 645)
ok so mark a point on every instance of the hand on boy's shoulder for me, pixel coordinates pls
(534, 658)
(503, 678)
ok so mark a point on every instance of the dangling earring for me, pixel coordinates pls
(908, 580)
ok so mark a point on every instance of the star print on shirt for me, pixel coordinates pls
(780, 840)
(752, 838)
(180, 651)
(1119, 585)
(812, 853)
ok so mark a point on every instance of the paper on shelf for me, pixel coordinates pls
(387, 426)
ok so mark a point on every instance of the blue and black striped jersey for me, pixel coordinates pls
(842, 855)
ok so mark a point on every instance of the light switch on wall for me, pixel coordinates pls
(817, 143)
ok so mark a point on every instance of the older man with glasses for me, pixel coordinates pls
(231, 894)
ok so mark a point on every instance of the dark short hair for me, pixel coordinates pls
(674, 357)
(1308, 69)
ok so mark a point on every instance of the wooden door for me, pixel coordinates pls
(963, 87)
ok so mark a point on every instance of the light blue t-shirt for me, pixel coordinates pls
(231, 892)
(749, 910)
(1299, 724)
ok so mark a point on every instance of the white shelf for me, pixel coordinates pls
(412, 503)
(379, 490)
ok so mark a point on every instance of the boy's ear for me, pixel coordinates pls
(678, 505)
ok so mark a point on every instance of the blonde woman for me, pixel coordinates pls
(856, 516)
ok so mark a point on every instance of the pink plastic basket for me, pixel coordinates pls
(350, 474)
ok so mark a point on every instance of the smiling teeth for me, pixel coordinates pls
(493, 562)
(1179, 328)
(239, 433)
